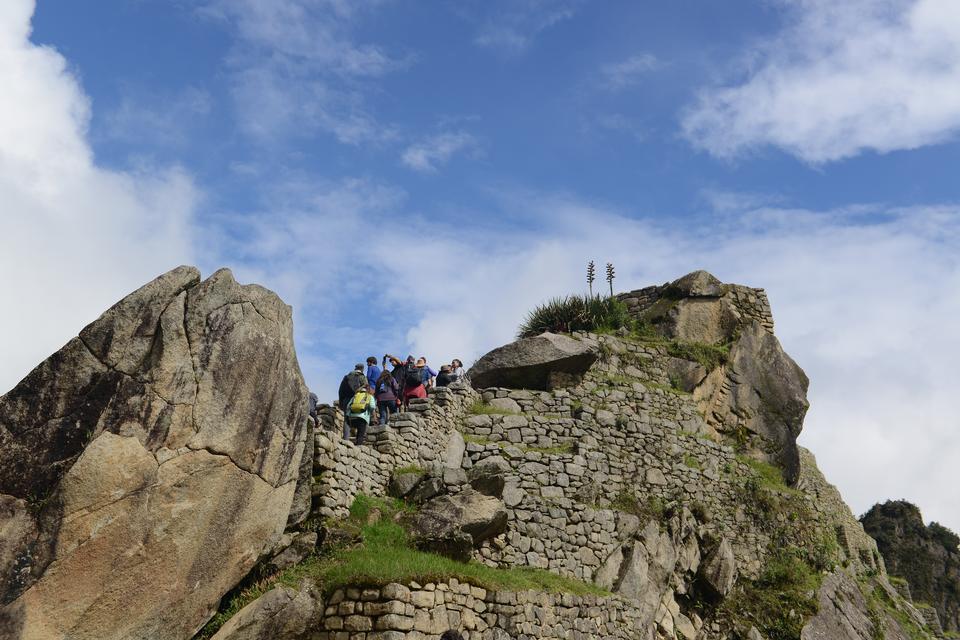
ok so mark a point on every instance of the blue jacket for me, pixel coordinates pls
(373, 374)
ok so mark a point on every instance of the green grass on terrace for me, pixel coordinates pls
(483, 409)
(386, 555)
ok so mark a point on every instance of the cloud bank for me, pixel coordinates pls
(72, 234)
(840, 79)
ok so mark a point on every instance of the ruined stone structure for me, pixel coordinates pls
(658, 465)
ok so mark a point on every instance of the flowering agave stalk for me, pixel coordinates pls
(591, 275)
(610, 277)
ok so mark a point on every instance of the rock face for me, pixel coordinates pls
(147, 465)
(454, 524)
(927, 557)
(542, 362)
(845, 614)
(280, 614)
(757, 393)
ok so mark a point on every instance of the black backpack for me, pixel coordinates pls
(413, 377)
(356, 380)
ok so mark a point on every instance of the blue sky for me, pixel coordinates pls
(412, 177)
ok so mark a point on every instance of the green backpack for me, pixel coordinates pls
(359, 402)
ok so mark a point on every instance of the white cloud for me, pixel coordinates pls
(840, 79)
(626, 73)
(297, 69)
(74, 237)
(510, 26)
(158, 119)
(862, 298)
(427, 155)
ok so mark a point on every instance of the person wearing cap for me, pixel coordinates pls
(445, 376)
(351, 383)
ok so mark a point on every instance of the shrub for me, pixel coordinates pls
(781, 600)
(575, 313)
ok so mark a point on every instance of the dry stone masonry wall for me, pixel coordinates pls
(421, 612)
(751, 302)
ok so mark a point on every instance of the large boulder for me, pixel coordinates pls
(147, 465)
(454, 524)
(846, 612)
(280, 614)
(718, 571)
(542, 362)
(760, 394)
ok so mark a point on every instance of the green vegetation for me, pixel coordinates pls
(654, 508)
(483, 409)
(385, 554)
(410, 468)
(881, 608)
(691, 462)
(781, 600)
(767, 475)
(709, 356)
(575, 313)
(376, 551)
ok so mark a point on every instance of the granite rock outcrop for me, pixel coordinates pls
(148, 464)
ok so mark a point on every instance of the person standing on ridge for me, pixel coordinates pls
(445, 377)
(412, 382)
(457, 369)
(397, 370)
(373, 371)
(429, 375)
(349, 386)
(387, 394)
(360, 413)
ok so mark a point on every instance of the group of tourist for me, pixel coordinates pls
(371, 394)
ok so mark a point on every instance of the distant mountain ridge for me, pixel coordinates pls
(926, 556)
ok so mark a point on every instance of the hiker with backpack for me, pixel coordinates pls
(387, 393)
(412, 382)
(360, 413)
(351, 383)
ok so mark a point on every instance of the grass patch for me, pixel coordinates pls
(575, 313)
(709, 356)
(653, 508)
(881, 608)
(483, 409)
(386, 555)
(691, 462)
(410, 468)
(780, 601)
(768, 476)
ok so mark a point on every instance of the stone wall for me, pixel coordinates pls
(419, 612)
(576, 453)
(752, 303)
(419, 436)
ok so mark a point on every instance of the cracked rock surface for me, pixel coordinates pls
(148, 464)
